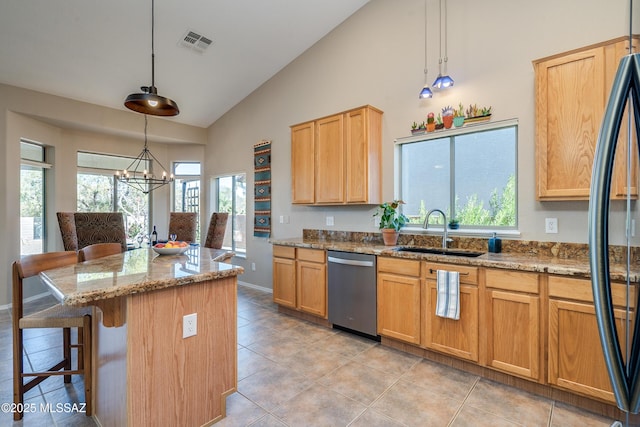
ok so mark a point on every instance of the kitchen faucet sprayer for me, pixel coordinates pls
(445, 240)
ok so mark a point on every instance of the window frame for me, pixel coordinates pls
(44, 167)
(231, 223)
(179, 179)
(451, 134)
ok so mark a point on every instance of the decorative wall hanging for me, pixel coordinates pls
(262, 189)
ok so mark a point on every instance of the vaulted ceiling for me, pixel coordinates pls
(99, 51)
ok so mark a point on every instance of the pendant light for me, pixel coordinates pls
(149, 102)
(443, 82)
(426, 91)
(139, 174)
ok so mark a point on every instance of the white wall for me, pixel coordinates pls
(376, 57)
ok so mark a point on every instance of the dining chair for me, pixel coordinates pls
(183, 225)
(67, 223)
(216, 230)
(98, 250)
(100, 227)
(58, 316)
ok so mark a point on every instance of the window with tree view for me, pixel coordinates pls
(231, 196)
(32, 197)
(471, 175)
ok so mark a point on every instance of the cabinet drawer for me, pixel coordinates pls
(513, 281)
(312, 255)
(468, 275)
(404, 267)
(581, 290)
(284, 251)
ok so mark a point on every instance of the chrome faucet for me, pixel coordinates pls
(445, 240)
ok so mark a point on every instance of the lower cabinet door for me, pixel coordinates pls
(284, 282)
(576, 362)
(513, 333)
(312, 288)
(399, 307)
(455, 337)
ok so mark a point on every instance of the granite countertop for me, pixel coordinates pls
(513, 261)
(134, 271)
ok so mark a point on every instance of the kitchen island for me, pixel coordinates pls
(146, 373)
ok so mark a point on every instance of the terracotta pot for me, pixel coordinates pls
(448, 121)
(390, 236)
(431, 127)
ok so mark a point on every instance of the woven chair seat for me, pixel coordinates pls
(58, 316)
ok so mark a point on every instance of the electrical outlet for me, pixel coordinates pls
(189, 325)
(253, 266)
(329, 220)
(551, 225)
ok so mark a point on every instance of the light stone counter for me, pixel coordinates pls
(134, 271)
(535, 262)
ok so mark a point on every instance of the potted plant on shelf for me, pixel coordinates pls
(475, 114)
(417, 129)
(391, 221)
(447, 116)
(439, 124)
(431, 122)
(458, 116)
(454, 224)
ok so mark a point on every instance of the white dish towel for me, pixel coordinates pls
(448, 302)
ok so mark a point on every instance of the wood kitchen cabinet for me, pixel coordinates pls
(300, 279)
(399, 299)
(512, 323)
(338, 159)
(455, 337)
(576, 362)
(572, 90)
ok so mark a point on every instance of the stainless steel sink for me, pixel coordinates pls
(439, 251)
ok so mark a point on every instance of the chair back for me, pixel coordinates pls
(98, 250)
(100, 227)
(32, 265)
(183, 225)
(67, 223)
(217, 227)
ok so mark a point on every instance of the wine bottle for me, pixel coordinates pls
(154, 236)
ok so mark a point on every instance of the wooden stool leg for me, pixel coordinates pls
(66, 348)
(18, 366)
(87, 353)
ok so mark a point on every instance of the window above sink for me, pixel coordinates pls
(470, 173)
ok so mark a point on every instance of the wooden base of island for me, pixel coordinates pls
(148, 375)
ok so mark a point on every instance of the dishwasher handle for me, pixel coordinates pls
(350, 262)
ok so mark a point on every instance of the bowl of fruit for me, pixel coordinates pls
(170, 248)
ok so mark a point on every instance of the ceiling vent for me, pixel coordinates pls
(195, 41)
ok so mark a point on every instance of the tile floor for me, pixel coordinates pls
(294, 373)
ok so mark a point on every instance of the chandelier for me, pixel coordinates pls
(139, 174)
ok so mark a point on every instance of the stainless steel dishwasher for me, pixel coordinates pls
(352, 291)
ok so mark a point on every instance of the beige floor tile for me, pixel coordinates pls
(473, 417)
(268, 421)
(250, 362)
(319, 407)
(387, 359)
(440, 379)
(348, 345)
(565, 415)
(272, 387)
(240, 412)
(250, 333)
(313, 362)
(276, 346)
(371, 418)
(359, 382)
(415, 406)
(510, 403)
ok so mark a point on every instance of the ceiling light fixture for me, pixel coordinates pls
(426, 91)
(443, 82)
(149, 102)
(139, 174)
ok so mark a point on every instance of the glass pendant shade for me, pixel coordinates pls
(442, 82)
(426, 92)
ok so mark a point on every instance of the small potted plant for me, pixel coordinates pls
(439, 124)
(431, 122)
(417, 129)
(391, 221)
(458, 116)
(447, 116)
(454, 224)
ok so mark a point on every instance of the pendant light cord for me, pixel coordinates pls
(425, 42)
(445, 36)
(440, 37)
(153, 55)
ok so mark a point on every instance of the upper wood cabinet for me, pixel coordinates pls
(572, 90)
(338, 159)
